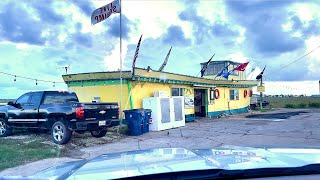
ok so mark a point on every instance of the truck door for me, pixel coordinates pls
(32, 109)
(18, 114)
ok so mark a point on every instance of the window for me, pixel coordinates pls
(177, 91)
(234, 94)
(23, 99)
(232, 66)
(214, 68)
(59, 97)
(36, 98)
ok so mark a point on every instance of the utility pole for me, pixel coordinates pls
(261, 95)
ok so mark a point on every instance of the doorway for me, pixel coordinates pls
(200, 100)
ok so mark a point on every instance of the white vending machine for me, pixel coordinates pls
(162, 113)
(178, 111)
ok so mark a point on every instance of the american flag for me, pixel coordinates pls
(136, 54)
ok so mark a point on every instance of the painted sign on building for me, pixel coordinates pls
(188, 98)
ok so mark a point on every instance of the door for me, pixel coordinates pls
(18, 113)
(165, 110)
(32, 108)
(177, 106)
(200, 102)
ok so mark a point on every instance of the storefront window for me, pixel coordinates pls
(234, 94)
(177, 91)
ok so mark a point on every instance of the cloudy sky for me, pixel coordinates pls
(39, 37)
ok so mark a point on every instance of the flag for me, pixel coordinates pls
(204, 68)
(241, 67)
(136, 54)
(226, 75)
(165, 60)
(222, 71)
(104, 12)
(260, 75)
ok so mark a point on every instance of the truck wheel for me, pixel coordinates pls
(4, 129)
(60, 133)
(99, 133)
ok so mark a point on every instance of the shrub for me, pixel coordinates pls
(314, 105)
(289, 106)
(302, 105)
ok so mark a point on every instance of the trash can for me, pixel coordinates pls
(146, 122)
(135, 121)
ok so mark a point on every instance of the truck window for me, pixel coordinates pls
(23, 99)
(36, 98)
(59, 98)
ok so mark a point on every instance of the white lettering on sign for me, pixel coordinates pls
(104, 12)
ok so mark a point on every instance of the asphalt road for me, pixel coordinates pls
(281, 128)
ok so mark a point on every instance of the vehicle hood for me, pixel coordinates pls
(4, 108)
(165, 160)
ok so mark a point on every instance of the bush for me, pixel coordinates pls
(314, 105)
(302, 105)
(289, 106)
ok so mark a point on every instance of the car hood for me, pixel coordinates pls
(4, 108)
(166, 160)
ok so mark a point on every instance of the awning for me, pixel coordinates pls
(203, 86)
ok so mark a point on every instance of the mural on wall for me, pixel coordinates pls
(188, 98)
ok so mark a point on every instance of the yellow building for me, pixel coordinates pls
(203, 97)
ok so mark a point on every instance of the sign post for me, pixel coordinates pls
(261, 95)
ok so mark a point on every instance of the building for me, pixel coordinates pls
(204, 97)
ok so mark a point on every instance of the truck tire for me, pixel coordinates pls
(4, 129)
(60, 133)
(99, 133)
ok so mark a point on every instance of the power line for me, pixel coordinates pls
(296, 60)
(34, 79)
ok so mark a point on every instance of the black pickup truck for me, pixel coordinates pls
(58, 111)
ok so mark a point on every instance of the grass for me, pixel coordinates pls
(14, 152)
(293, 102)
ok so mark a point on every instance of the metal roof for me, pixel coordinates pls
(219, 61)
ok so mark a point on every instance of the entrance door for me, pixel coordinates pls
(200, 100)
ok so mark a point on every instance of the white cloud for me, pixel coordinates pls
(112, 60)
(314, 58)
(238, 57)
(154, 17)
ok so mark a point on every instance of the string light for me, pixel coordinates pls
(23, 77)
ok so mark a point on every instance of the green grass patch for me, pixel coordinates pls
(289, 106)
(15, 152)
(296, 102)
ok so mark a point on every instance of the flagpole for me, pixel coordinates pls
(120, 113)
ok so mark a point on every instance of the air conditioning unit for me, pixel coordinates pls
(160, 94)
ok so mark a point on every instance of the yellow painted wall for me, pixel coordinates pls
(222, 103)
(146, 89)
(108, 93)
